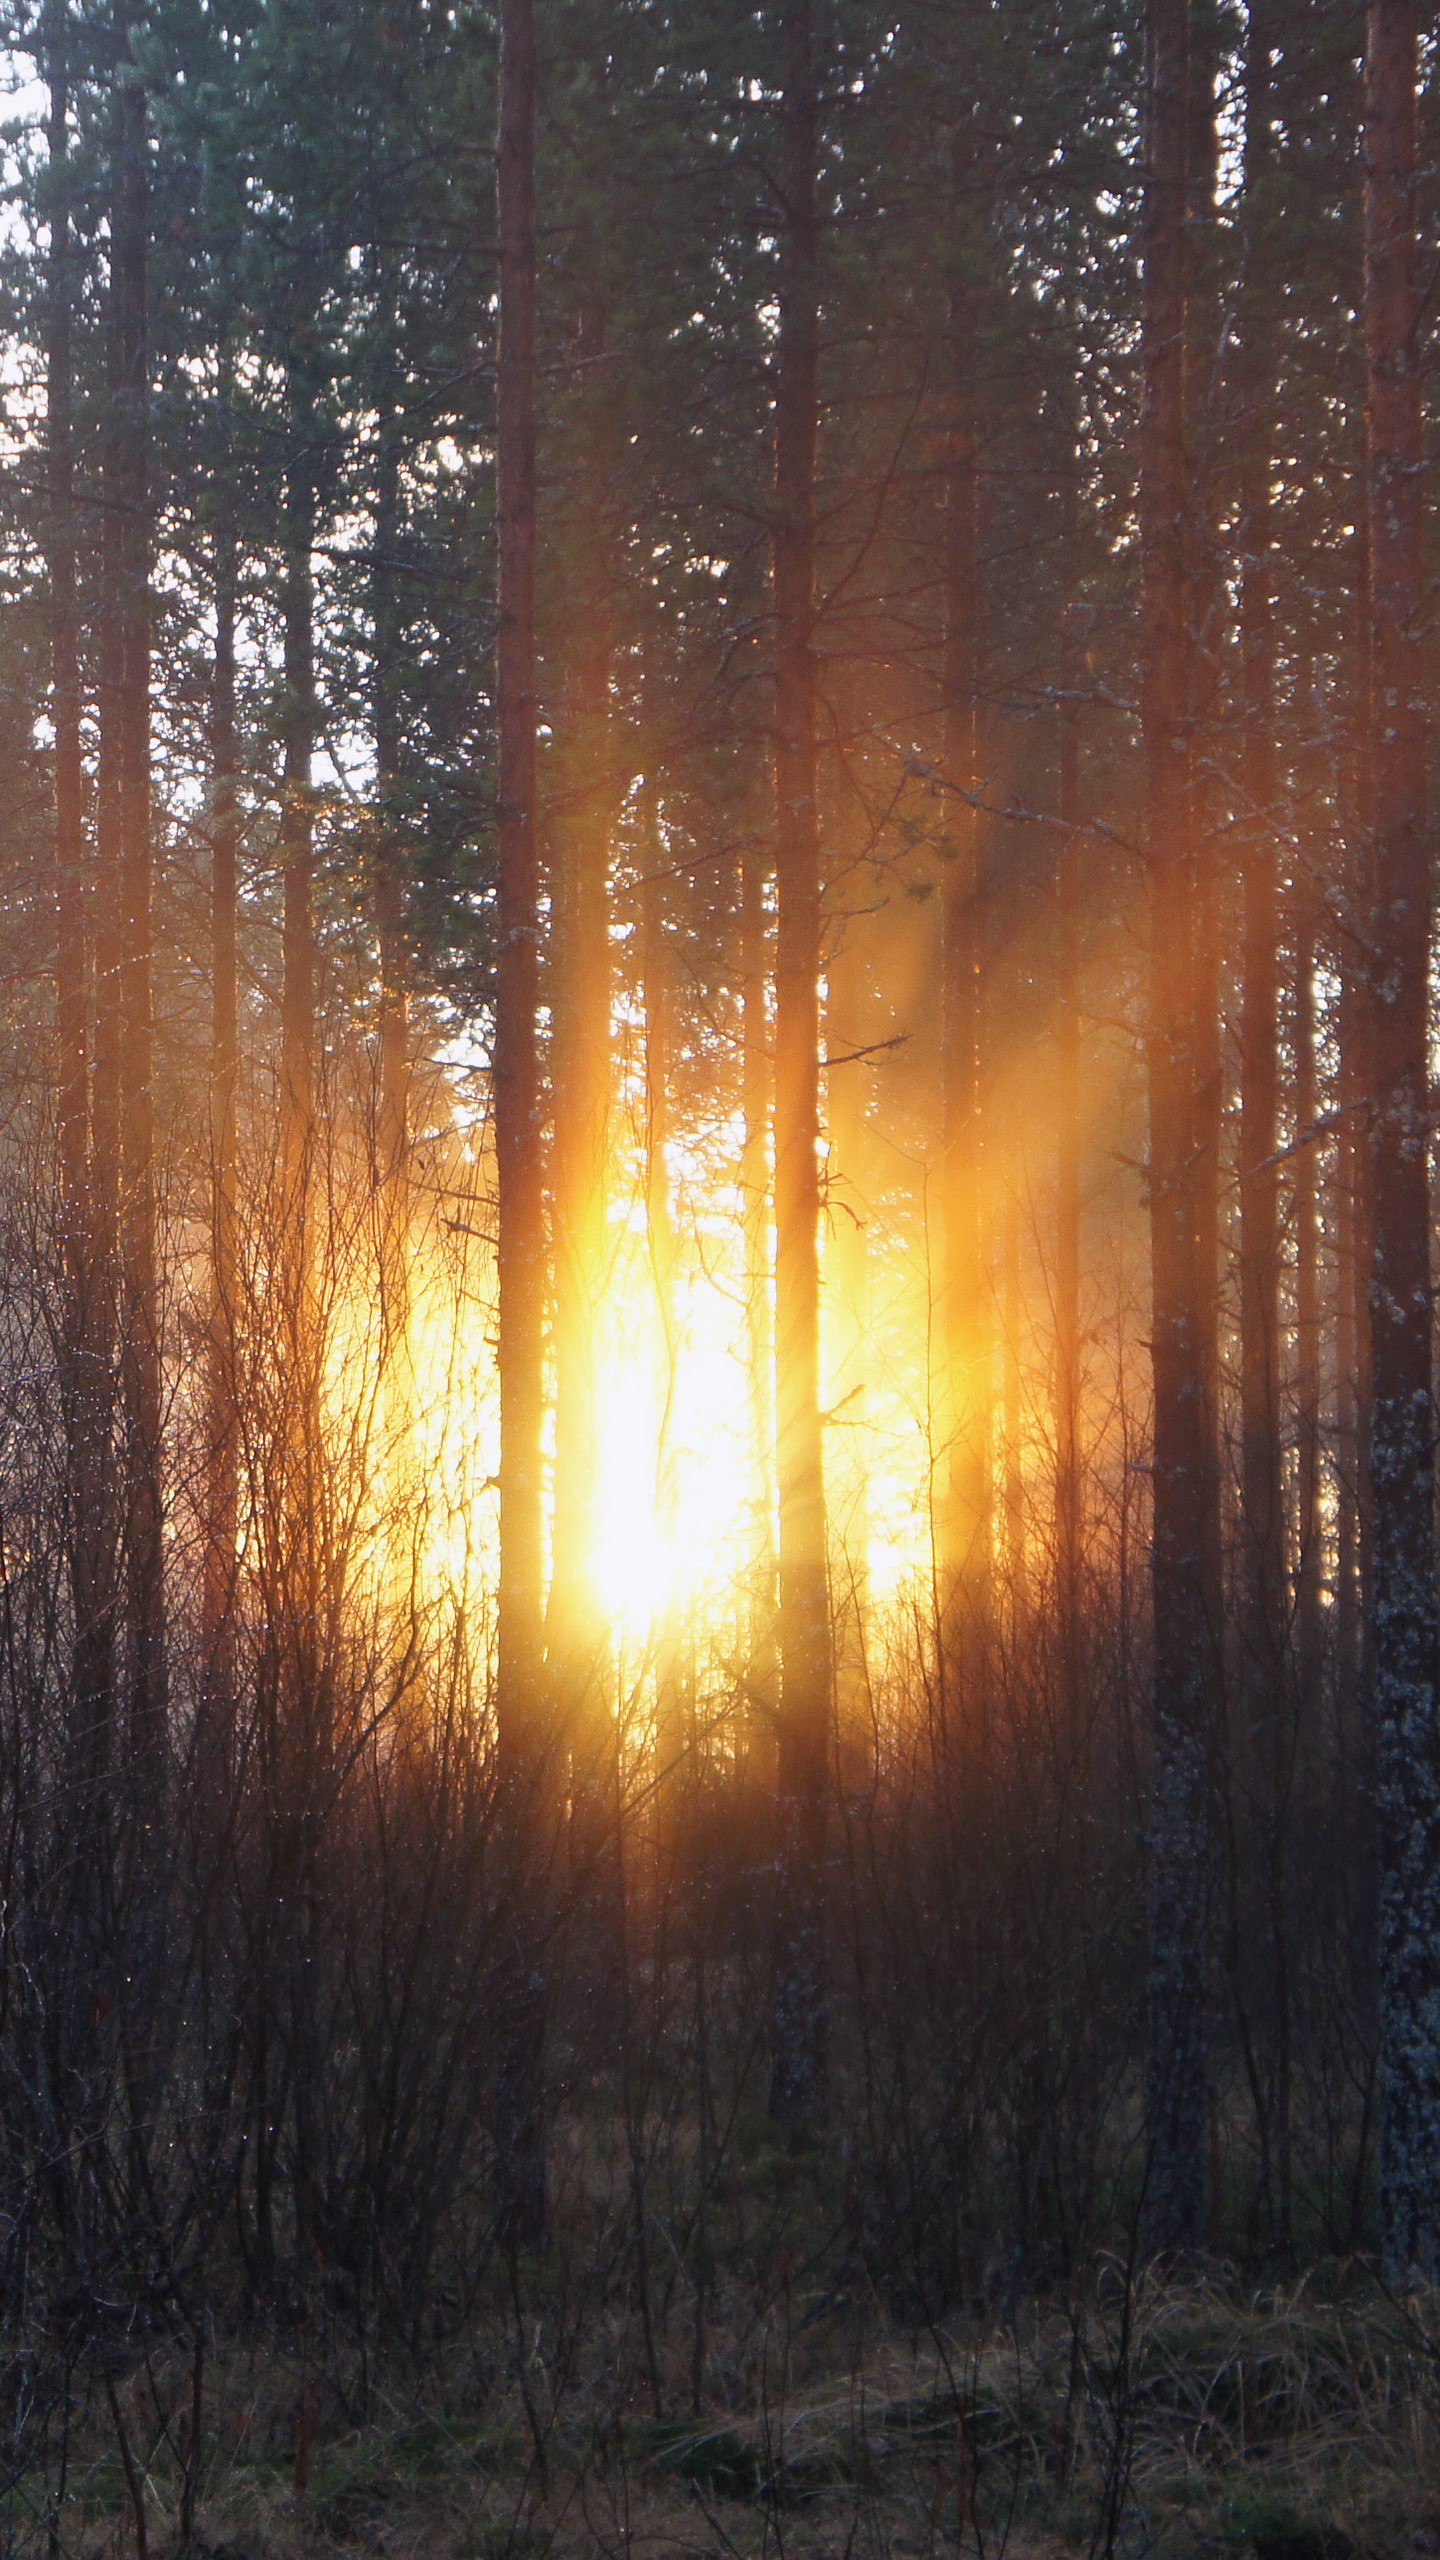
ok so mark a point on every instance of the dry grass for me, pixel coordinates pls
(1297, 2424)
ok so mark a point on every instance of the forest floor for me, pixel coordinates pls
(1300, 2423)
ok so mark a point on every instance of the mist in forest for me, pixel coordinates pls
(718, 1575)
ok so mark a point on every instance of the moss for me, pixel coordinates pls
(1274, 2530)
(354, 2491)
(715, 2458)
(931, 2418)
(503, 2539)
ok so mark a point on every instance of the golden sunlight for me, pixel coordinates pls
(635, 1565)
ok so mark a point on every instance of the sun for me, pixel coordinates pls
(634, 1562)
(675, 1509)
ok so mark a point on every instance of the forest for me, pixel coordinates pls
(719, 1594)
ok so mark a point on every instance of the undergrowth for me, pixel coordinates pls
(1179, 2419)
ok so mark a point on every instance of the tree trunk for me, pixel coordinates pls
(849, 1320)
(1263, 1551)
(222, 1418)
(1265, 1664)
(1305, 1195)
(655, 995)
(299, 1562)
(1355, 1386)
(672, 1701)
(1177, 2086)
(393, 1117)
(1402, 1462)
(799, 2024)
(403, 1490)
(756, 1104)
(580, 826)
(128, 494)
(965, 1526)
(85, 1350)
(1207, 605)
(73, 1091)
(1012, 1397)
(519, 1159)
(297, 869)
(1069, 1381)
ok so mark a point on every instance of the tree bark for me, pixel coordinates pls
(1402, 1463)
(1305, 1198)
(395, 1236)
(1069, 1379)
(965, 1524)
(299, 1563)
(1265, 1653)
(799, 2022)
(1012, 1389)
(757, 1108)
(849, 1320)
(297, 863)
(222, 1417)
(580, 826)
(1263, 1553)
(1177, 2086)
(1354, 1392)
(656, 997)
(520, 1692)
(128, 495)
(1207, 605)
(73, 1084)
(393, 1115)
(673, 1722)
(85, 1349)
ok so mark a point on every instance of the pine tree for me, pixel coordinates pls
(520, 1691)
(1177, 2091)
(799, 2026)
(1400, 1308)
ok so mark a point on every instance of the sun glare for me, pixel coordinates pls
(635, 1566)
(676, 1507)
(683, 1507)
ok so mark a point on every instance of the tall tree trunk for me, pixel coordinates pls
(848, 1312)
(303, 1737)
(1305, 1196)
(1012, 1399)
(799, 2023)
(965, 1528)
(1402, 1461)
(1265, 1663)
(580, 825)
(656, 997)
(1296, 1728)
(299, 1563)
(1354, 1209)
(672, 1720)
(102, 1402)
(222, 1416)
(128, 494)
(1263, 1551)
(1207, 604)
(73, 1085)
(1349, 1258)
(297, 870)
(393, 1130)
(84, 1343)
(1177, 2085)
(756, 1105)
(1354, 1383)
(395, 1236)
(518, 1143)
(1069, 1381)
